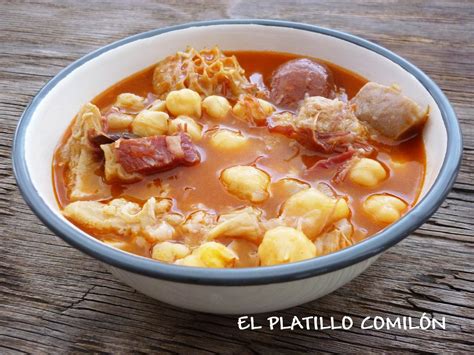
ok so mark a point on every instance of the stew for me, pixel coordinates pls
(240, 159)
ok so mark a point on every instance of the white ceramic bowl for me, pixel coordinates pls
(230, 291)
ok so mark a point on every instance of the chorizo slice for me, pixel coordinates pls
(128, 160)
(149, 155)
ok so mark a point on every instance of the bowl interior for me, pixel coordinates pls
(55, 110)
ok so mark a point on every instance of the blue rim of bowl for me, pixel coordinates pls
(259, 275)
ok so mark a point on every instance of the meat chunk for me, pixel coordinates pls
(113, 170)
(149, 155)
(152, 154)
(388, 111)
(295, 79)
(321, 124)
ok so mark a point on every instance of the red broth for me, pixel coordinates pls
(274, 153)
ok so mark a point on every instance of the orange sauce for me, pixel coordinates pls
(276, 154)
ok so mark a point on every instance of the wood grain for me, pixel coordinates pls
(53, 299)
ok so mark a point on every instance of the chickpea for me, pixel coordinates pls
(397, 164)
(216, 255)
(169, 252)
(267, 107)
(216, 106)
(190, 260)
(119, 120)
(313, 211)
(246, 182)
(341, 210)
(228, 140)
(158, 105)
(287, 187)
(367, 172)
(210, 254)
(307, 200)
(150, 123)
(384, 208)
(239, 110)
(186, 124)
(130, 102)
(282, 245)
(184, 102)
(249, 108)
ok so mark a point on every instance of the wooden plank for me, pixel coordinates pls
(55, 299)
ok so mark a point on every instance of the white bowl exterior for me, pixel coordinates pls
(55, 112)
(241, 299)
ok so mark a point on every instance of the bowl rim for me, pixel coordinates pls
(359, 252)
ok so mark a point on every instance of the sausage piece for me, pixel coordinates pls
(152, 154)
(128, 160)
(296, 78)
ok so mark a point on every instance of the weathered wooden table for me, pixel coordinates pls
(55, 299)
